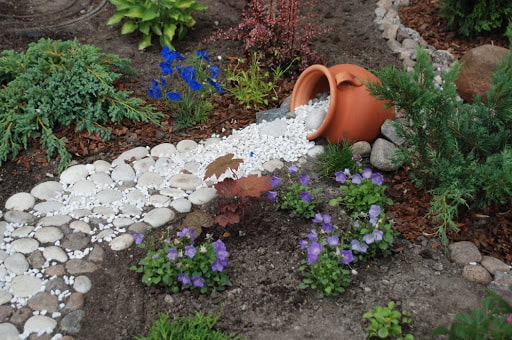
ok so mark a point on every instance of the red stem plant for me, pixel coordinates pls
(278, 31)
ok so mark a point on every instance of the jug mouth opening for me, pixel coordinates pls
(315, 80)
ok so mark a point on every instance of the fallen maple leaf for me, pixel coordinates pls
(221, 164)
(253, 185)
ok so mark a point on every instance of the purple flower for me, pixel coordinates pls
(312, 236)
(341, 177)
(174, 96)
(138, 238)
(357, 179)
(306, 196)
(359, 246)
(314, 251)
(188, 233)
(303, 244)
(202, 54)
(222, 254)
(172, 254)
(190, 251)
(375, 236)
(377, 179)
(333, 241)
(327, 227)
(367, 173)
(184, 279)
(218, 245)
(374, 211)
(304, 179)
(357, 158)
(271, 195)
(275, 181)
(292, 169)
(318, 218)
(346, 256)
(198, 281)
(218, 265)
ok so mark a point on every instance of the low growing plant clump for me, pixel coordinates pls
(181, 264)
(187, 86)
(387, 323)
(167, 19)
(54, 84)
(199, 326)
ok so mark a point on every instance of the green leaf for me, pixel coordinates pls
(136, 12)
(129, 27)
(145, 42)
(117, 17)
(150, 14)
(156, 29)
(169, 31)
(144, 28)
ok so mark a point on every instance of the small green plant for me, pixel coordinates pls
(493, 322)
(187, 86)
(386, 322)
(297, 197)
(181, 265)
(325, 268)
(240, 195)
(474, 17)
(361, 190)
(199, 326)
(167, 19)
(55, 84)
(338, 157)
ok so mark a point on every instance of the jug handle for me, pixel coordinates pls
(345, 76)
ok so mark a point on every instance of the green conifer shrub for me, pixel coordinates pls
(54, 84)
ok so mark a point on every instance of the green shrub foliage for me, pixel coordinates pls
(475, 17)
(461, 152)
(54, 84)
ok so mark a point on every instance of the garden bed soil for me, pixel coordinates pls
(264, 301)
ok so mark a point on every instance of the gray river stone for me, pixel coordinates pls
(25, 245)
(48, 234)
(54, 221)
(143, 165)
(159, 216)
(121, 242)
(39, 324)
(82, 284)
(80, 226)
(101, 166)
(181, 205)
(47, 190)
(9, 331)
(74, 174)
(44, 301)
(76, 241)
(20, 201)
(163, 150)
(186, 145)
(21, 232)
(19, 217)
(77, 267)
(16, 263)
(150, 180)
(202, 195)
(123, 173)
(101, 179)
(83, 187)
(185, 181)
(108, 196)
(5, 297)
(55, 253)
(25, 285)
(71, 322)
(48, 207)
(130, 155)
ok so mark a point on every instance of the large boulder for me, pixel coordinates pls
(478, 65)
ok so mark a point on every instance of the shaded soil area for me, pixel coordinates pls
(264, 301)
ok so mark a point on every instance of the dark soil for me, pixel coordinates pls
(264, 301)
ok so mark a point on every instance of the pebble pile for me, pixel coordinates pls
(53, 236)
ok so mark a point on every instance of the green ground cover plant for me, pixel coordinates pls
(198, 327)
(166, 19)
(386, 323)
(459, 152)
(338, 157)
(55, 84)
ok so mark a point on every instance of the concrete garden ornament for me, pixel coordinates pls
(353, 113)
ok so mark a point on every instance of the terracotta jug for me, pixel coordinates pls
(353, 114)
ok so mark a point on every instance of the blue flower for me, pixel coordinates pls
(198, 281)
(154, 91)
(202, 54)
(138, 238)
(346, 256)
(184, 279)
(271, 195)
(217, 86)
(359, 246)
(214, 71)
(306, 196)
(341, 177)
(377, 179)
(304, 179)
(166, 67)
(172, 254)
(188, 73)
(357, 179)
(195, 85)
(170, 55)
(190, 251)
(174, 96)
(275, 181)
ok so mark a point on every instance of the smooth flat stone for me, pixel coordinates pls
(121, 242)
(39, 324)
(186, 145)
(74, 174)
(21, 201)
(47, 190)
(49, 234)
(159, 216)
(185, 181)
(48, 207)
(24, 245)
(55, 253)
(202, 196)
(163, 150)
(16, 263)
(123, 173)
(25, 285)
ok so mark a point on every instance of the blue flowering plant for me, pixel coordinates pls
(184, 265)
(361, 190)
(297, 197)
(187, 86)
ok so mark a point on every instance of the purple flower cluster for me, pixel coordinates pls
(325, 220)
(221, 256)
(188, 75)
(138, 238)
(375, 236)
(357, 179)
